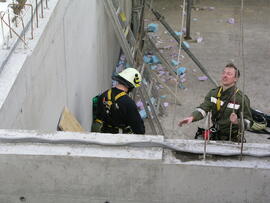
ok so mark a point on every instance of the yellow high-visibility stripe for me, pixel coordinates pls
(218, 99)
(120, 95)
(115, 98)
(219, 102)
(110, 97)
(123, 16)
(99, 121)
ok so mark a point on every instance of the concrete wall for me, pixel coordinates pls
(89, 173)
(68, 63)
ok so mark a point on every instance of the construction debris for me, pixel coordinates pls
(174, 62)
(68, 122)
(231, 21)
(203, 78)
(152, 27)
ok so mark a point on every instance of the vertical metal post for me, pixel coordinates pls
(32, 19)
(189, 3)
(10, 33)
(3, 35)
(41, 8)
(37, 13)
(242, 135)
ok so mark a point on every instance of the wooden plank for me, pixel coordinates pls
(69, 123)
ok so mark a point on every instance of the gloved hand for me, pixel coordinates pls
(127, 130)
(96, 126)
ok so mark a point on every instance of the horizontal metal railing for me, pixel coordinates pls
(20, 29)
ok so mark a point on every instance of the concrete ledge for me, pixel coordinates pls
(62, 173)
(63, 148)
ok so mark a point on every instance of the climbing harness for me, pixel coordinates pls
(110, 106)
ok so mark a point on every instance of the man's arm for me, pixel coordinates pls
(200, 111)
(248, 120)
(134, 119)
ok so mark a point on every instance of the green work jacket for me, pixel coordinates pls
(235, 104)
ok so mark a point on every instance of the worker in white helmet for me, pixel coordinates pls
(115, 110)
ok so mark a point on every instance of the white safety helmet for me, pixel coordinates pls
(129, 77)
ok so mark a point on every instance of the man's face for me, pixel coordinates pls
(228, 77)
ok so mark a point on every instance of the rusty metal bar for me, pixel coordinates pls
(46, 4)
(37, 12)
(41, 8)
(9, 25)
(189, 3)
(16, 19)
(2, 20)
(3, 34)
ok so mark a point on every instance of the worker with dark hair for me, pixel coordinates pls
(115, 110)
(225, 104)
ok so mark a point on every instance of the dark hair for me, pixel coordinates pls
(237, 72)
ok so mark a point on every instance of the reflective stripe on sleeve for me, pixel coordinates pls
(201, 111)
(247, 123)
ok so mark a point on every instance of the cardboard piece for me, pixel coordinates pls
(68, 122)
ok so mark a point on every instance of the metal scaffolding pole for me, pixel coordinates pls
(189, 4)
(171, 31)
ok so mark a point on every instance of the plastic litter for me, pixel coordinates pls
(155, 59)
(147, 59)
(153, 67)
(151, 59)
(174, 62)
(153, 100)
(165, 104)
(182, 86)
(181, 70)
(184, 30)
(152, 27)
(160, 67)
(161, 72)
(143, 114)
(167, 47)
(179, 33)
(186, 44)
(139, 104)
(199, 39)
(203, 78)
(183, 80)
(231, 21)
